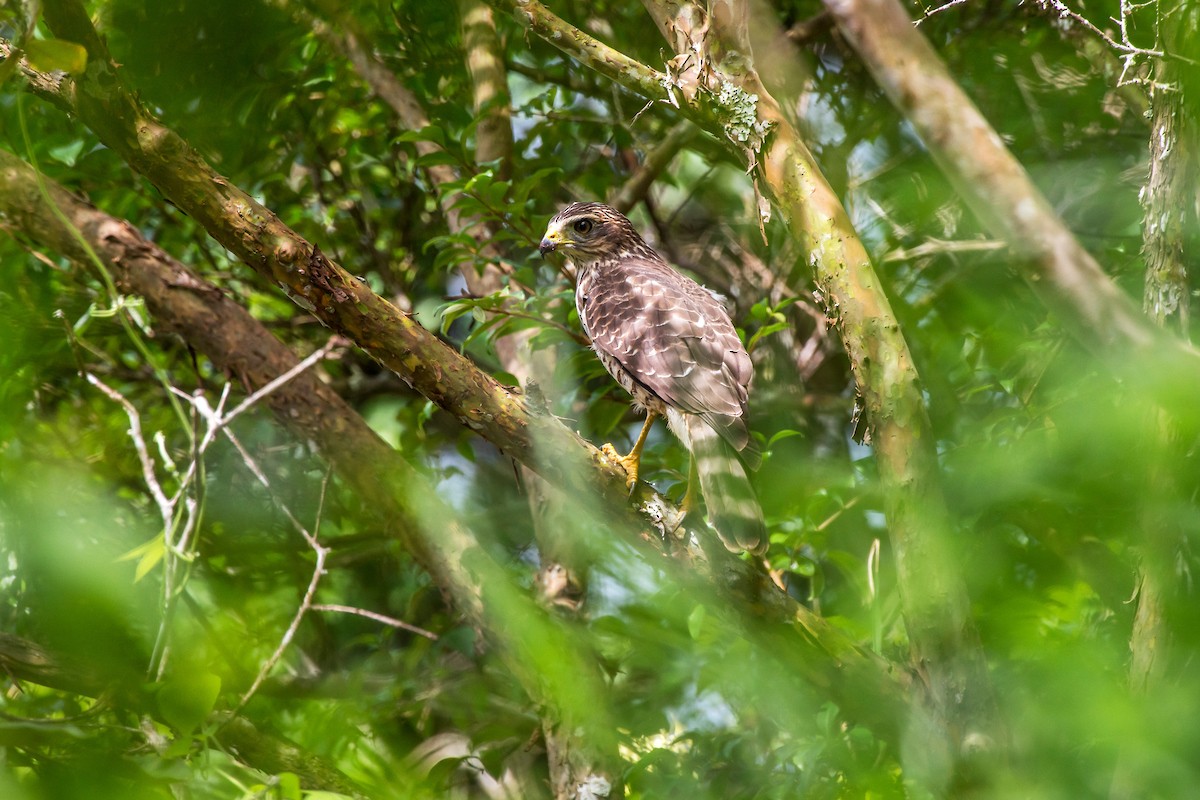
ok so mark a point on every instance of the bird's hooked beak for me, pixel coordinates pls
(550, 242)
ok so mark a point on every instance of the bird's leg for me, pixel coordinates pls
(632, 461)
(689, 497)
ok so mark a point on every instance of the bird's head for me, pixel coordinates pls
(590, 232)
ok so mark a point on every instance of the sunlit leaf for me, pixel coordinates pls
(187, 699)
(56, 55)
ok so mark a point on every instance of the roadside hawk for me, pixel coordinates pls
(669, 342)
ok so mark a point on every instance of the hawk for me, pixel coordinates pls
(668, 342)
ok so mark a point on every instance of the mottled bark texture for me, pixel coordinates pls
(1168, 200)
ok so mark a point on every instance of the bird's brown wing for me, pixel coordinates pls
(674, 338)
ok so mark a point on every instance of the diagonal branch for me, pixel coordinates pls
(339, 300)
(28, 661)
(936, 605)
(237, 343)
(638, 184)
(256, 235)
(997, 188)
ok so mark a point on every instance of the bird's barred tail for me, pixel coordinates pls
(732, 505)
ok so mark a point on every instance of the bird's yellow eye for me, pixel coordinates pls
(582, 225)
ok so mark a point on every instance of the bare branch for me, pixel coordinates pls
(322, 553)
(166, 508)
(1000, 192)
(657, 160)
(28, 661)
(929, 12)
(315, 357)
(1124, 46)
(386, 620)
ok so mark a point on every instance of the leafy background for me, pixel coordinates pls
(1055, 470)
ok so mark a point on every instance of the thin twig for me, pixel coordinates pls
(505, 312)
(313, 358)
(305, 604)
(386, 620)
(929, 12)
(939, 246)
(180, 522)
(837, 513)
(1125, 46)
(166, 508)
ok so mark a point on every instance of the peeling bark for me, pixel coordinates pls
(1168, 199)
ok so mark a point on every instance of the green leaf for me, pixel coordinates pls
(430, 133)
(695, 621)
(148, 553)
(479, 182)
(49, 55)
(465, 448)
(437, 158)
(178, 748)
(460, 639)
(764, 331)
(67, 153)
(187, 699)
(786, 433)
(523, 187)
(289, 786)
(805, 566)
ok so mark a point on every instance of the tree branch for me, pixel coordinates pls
(1001, 194)
(937, 609)
(828, 657)
(936, 606)
(239, 344)
(335, 297)
(27, 661)
(1169, 211)
(635, 187)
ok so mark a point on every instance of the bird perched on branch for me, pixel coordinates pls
(670, 343)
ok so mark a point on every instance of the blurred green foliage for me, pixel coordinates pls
(1056, 471)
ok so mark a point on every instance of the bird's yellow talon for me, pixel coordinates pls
(669, 343)
(629, 463)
